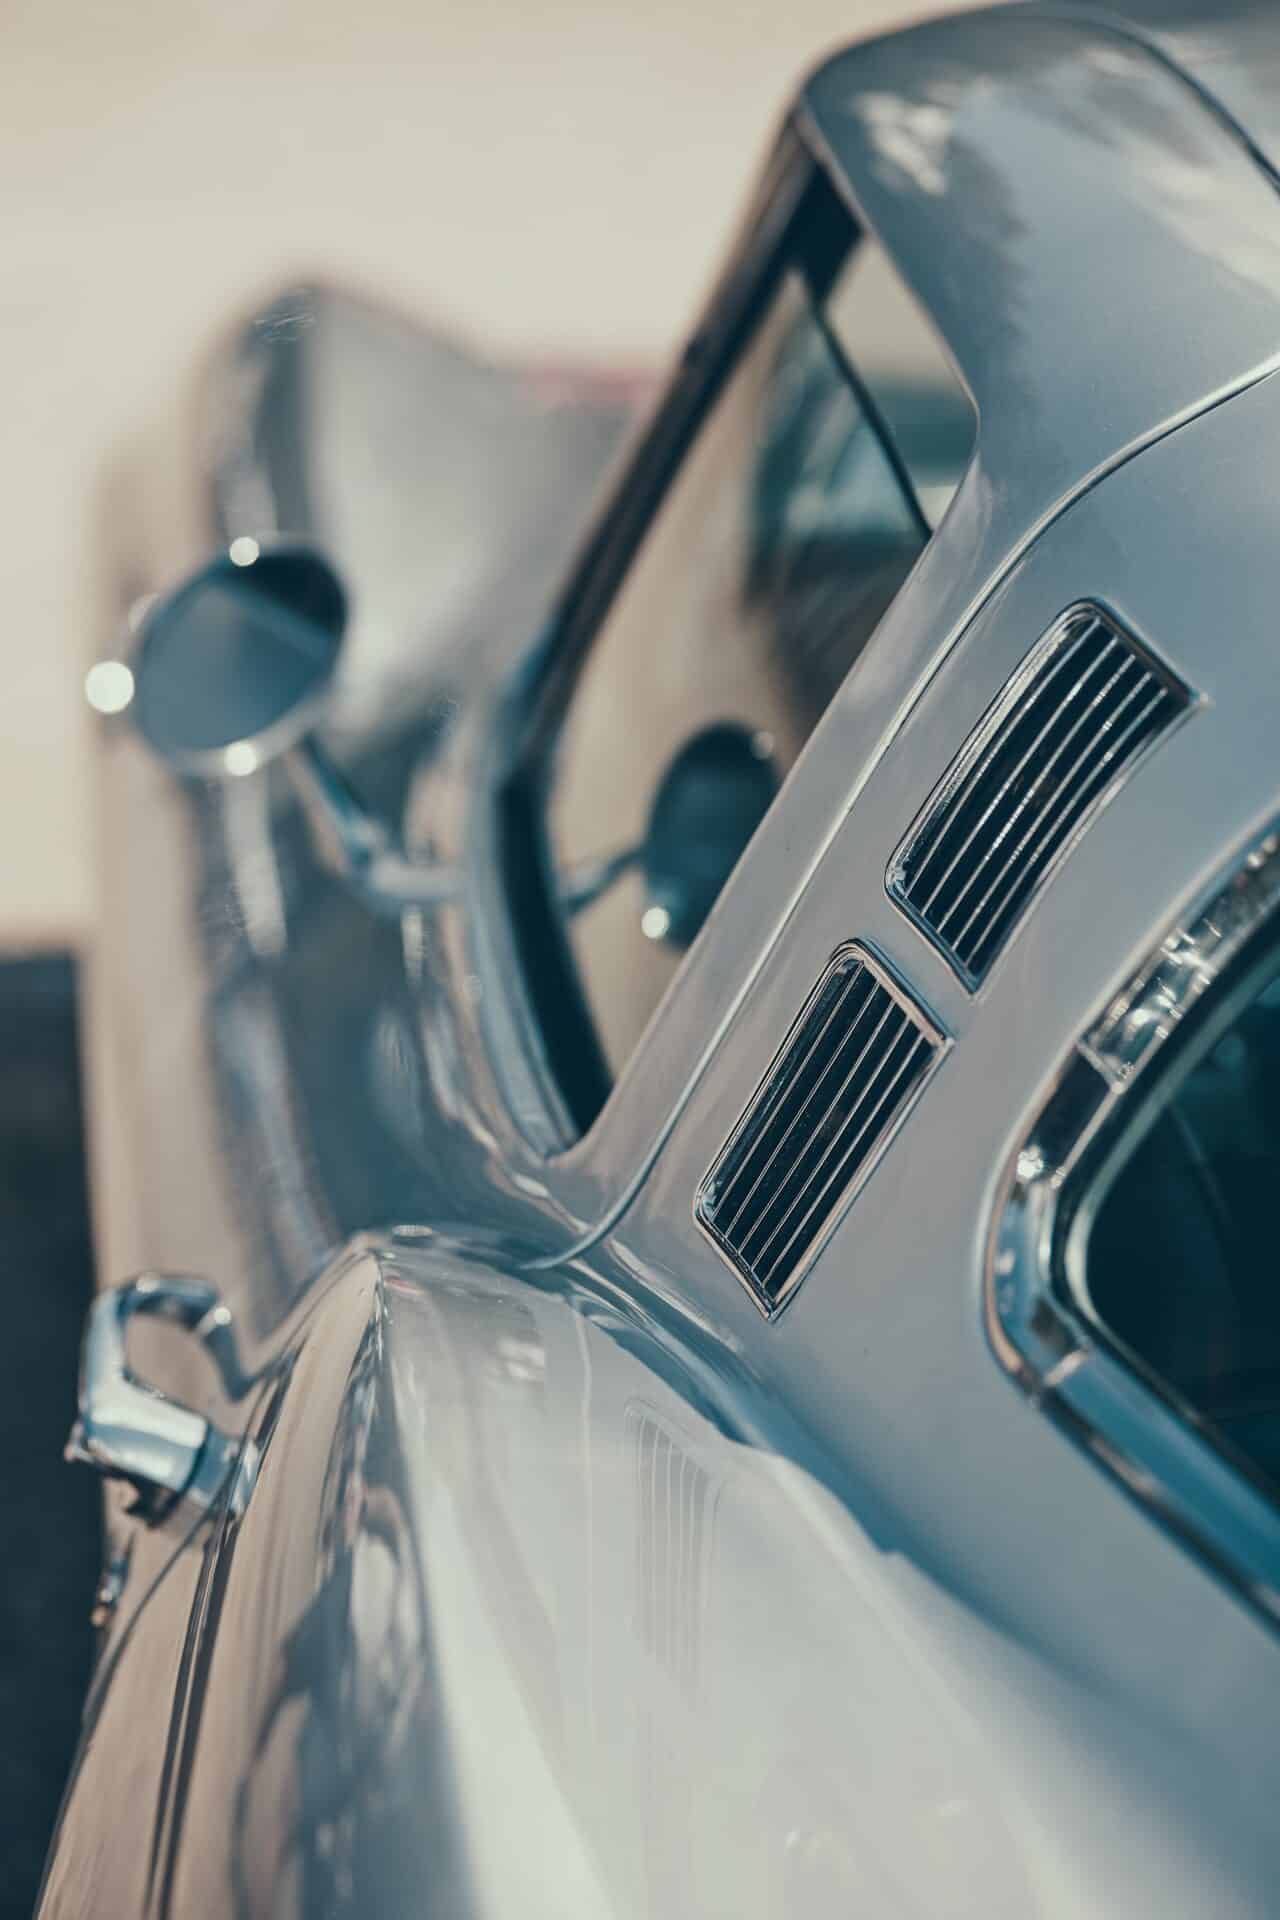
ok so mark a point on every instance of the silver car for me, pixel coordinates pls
(696, 1146)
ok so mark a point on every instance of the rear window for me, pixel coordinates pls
(1172, 1255)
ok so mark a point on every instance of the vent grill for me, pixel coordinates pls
(675, 1510)
(1075, 718)
(853, 1061)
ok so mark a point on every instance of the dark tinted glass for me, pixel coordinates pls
(1179, 1258)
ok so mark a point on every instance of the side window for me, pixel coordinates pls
(1171, 1256)
(793, 518)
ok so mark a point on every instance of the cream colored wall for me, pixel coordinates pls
(555, 176)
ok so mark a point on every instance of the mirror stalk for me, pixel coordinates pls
(232, 671)
(355, 845)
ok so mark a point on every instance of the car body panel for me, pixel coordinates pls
(1028, 137)
(480, 1642)
(568, 1582)
(884, 1344)
(1228, 50)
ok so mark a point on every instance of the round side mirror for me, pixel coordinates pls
(232, 671)
(233, 666)
(713, 796)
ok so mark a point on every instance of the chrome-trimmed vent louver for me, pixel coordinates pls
(1079, 713)
(853, 1062)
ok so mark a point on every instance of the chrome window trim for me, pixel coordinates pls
(535, 698)
(1152, 1443)
(930, 1030)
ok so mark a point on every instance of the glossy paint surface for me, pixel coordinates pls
(1229, 50)
(568, 1584)
(1073, 175)
(883, 1345)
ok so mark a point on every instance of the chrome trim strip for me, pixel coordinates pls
(1143, 1014)
(1094, 700)
(1032, 678)
(906, 1065)
(852, 955)
(892, 1036)
(983, 760)
(777, 1092)
(1044, 824)
(1157, 1447)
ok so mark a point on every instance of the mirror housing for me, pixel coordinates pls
(711, 799)
(233, 670)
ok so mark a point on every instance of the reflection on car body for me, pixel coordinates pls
(729, 1101)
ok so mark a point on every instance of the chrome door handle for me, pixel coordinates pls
(130, 1431)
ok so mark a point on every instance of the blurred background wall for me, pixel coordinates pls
(550, 176)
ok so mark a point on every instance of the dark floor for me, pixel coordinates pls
(48, 1511)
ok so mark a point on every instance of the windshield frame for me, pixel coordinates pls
(797, 223)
